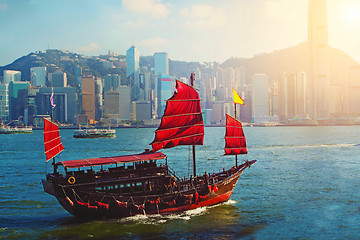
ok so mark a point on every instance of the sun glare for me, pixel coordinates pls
(352, 14)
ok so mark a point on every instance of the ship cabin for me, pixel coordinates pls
(129, 174)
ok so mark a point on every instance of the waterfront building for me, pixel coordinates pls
(88, 98)
(141, 110)
(161, 63)
(165, 91)
(260, 98)
(218, 112)
(293, 96)
(4, 102)
(319, 75)
(200, 85)
(111, 81)
(64, 99)
(208, 118)
(117, 103)
(11, 76)
(38, 76)
(353, 91)
(29, 97)
(161, 68)
(125, 104)
(145, 85)
(132, 72)
(98, 98)
(78, 76)
(228, 80)
(16, 104)
(112, 104)
(58, 79)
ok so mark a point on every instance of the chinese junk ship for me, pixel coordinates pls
(143, 183)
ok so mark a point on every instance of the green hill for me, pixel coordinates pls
(66, 61)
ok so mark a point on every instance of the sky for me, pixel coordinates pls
(189, 30)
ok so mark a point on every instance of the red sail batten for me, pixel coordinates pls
(182, 123)
(235, 142)
(52, 142)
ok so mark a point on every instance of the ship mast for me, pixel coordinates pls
(192, 79)
(236, 159)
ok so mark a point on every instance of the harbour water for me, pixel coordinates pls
(305, 185)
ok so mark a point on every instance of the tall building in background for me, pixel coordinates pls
(165, 92)
(319, 75)
(4, 102)
(16, 104)
(260, 98)
(78, 76)
(292, 96)
(98, 99)
(11, 76)
(117, 103)
(38, 76)
(161, 63)
(111, 81)
(64, 98)
(161, 72)
(88, 98)
(132, 72)
(58, 79)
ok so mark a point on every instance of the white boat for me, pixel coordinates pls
(95, 133)
(14, 130)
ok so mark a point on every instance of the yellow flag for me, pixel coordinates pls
(237, 98)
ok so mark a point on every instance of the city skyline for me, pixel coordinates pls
(187, 30)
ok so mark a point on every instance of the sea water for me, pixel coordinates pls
(304, 185)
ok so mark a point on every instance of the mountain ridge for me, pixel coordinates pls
(291, 59)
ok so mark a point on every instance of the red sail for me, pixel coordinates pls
(182, 123)
(235, 142)
(52, 142)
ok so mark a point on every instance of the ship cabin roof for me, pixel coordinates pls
(147, 156)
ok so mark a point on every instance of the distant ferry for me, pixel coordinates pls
(95, 133)
(13, 130)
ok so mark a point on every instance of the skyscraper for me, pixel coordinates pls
(132, 72)
(38, 76)
(161, 71)
(111, 81)
(4, 102)
(260, 98)
(161, 63)
(319, 80)
(59, 79)
(78, 76)
(88, 97)
(11, 76)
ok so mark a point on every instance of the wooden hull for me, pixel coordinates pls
(85, 204)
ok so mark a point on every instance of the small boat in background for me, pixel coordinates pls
(14, 130)
(95, 133)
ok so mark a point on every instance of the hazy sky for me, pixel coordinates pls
(189, 30)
